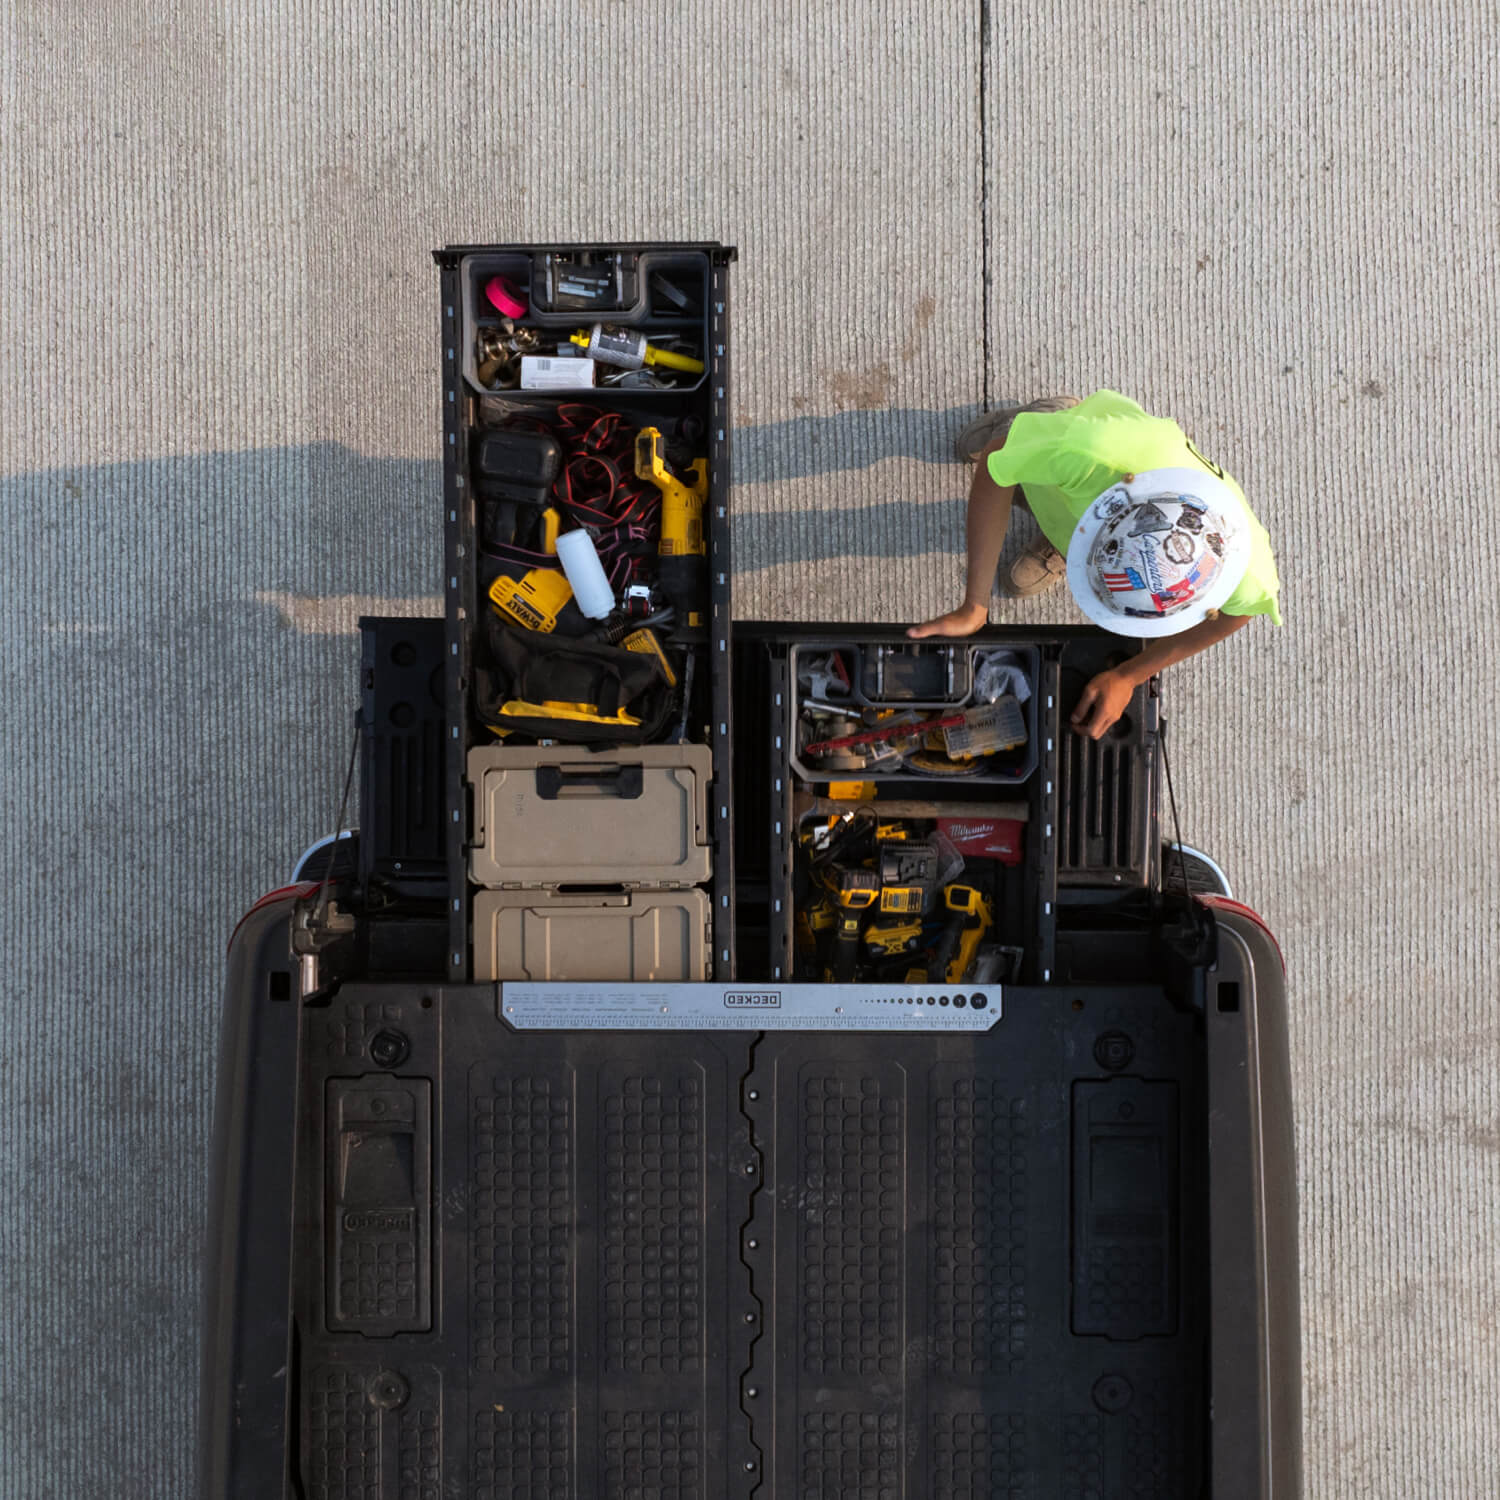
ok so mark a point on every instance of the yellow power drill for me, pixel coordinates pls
(857, 892)
(970, 916)
(683, 565)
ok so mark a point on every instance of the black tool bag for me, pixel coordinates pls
(579, 691)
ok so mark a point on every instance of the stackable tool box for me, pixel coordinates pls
(550, 1159)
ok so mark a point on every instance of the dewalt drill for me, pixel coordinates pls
(888, 938)
(682, 560)
(857, 891)
(970, 916)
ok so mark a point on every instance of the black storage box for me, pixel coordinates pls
(518, 466)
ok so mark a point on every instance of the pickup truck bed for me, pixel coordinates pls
(556, 1160)
(472, 1241)
(851, 1263)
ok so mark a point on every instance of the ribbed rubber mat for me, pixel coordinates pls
(929, 1334)
(810, 1265)
(590, 1301)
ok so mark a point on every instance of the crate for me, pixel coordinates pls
(640, 936)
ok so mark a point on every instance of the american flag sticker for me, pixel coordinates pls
(1120, 583)
(1178, 593)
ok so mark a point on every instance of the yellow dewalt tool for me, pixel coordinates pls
(534, 599)
(613, 345)
(888, 939)
(812, 921)
(908, 873)
(682, 564)
(646, 642)
(970, 916)
(551, 525)
(858, 891)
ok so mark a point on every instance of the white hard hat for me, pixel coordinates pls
(1156, 552)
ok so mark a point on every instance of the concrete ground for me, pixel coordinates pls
(219, 444)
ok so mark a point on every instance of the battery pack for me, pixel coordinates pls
(533, 600)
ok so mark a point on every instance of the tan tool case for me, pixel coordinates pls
(588, 863)
(643, 936)
(561, 814)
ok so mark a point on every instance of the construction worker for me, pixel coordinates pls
(1154, 540)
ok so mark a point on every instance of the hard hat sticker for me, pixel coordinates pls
(1150, 517)
(1158, 552)
(1178, 547)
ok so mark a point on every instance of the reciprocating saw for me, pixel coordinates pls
(681, 562)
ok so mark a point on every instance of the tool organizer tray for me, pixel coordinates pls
(928, 679)
(656, 275)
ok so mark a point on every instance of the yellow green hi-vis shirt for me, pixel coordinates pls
(1066, 459)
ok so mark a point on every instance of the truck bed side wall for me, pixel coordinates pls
(1256, 1358)
(243, 1391)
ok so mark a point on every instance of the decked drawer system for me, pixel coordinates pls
(668, 298)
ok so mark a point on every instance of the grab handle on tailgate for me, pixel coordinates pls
(624, 782)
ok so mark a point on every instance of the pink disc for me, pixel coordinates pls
(504, 296)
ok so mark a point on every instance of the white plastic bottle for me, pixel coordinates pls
(580, 562)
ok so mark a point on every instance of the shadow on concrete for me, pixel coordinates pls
(147, 608)
(805, 446)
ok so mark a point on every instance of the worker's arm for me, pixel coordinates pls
(1106, 696)
(985, 527)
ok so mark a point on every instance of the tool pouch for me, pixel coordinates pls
(578, 691)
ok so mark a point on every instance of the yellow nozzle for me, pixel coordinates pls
(669, 359)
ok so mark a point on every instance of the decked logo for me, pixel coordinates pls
(380, 1221)
(752, 999)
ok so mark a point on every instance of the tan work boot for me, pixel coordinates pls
(1040, 567)
(986, 430)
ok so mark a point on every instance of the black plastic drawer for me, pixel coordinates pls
(694, 410)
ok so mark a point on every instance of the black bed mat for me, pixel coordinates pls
(669, 1265)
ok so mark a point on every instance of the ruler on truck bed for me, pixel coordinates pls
(562, 1005)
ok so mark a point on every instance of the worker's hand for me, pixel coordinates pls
(964, 620)
(1104, 699)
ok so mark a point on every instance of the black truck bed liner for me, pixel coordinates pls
(835, 1260)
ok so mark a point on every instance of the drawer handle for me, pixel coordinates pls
(553, 782)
